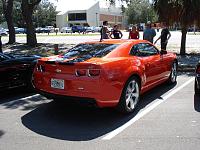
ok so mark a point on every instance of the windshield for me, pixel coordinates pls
(83, 52)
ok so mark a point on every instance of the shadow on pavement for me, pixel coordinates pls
(77, 123)
(42, 49)
(1, 133)
(13, 94)
(20, 98)
(197, 103)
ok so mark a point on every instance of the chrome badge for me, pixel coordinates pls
(58, 70)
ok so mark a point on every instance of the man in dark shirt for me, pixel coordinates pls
(165, 35)
(116, 33)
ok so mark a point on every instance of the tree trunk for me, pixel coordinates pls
(27, 12)
(8, 12)
(183, 41)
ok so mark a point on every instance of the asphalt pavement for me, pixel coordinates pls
(167, 117)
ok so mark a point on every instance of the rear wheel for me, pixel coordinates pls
(173, 74)
(197, 91)
(130, 96)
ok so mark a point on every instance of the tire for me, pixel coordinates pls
(173, 74)
(196, 90)
(130, 96)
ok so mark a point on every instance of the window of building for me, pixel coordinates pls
(76, 16)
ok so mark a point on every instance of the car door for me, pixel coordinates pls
(152, 61)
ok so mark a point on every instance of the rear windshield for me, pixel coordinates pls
(83, 52)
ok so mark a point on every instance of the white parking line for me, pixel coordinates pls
(146, 111)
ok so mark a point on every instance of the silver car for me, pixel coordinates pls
(66, 30)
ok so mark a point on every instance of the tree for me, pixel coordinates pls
(45, 14)
(8, 11)
(186, 12)
(140, 11)
(27, 7)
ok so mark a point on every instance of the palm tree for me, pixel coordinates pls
(186, 12)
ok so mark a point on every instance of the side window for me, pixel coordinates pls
(144, 50)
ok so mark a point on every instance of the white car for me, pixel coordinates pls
(66, 30)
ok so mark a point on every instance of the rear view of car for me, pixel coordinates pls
(66, 30)
(110, 73)
(197, 80)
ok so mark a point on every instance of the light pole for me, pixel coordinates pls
(96, 19)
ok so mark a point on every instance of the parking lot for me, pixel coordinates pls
(174, 42)
(167, 117)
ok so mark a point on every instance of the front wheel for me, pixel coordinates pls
(173, 74)
(130, 96)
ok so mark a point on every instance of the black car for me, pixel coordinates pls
(16, 70)
(197, 80)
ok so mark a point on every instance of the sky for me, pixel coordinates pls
(63, 5)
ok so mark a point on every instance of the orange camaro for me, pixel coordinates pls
(111, 73)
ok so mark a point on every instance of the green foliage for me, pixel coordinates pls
(2, 18)
(45, 14)
(186, 12)
(140, 11)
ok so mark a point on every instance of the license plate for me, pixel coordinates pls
(57, 83)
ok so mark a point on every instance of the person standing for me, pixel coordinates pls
(165, 36)
(117, 34)
(149, 33)
(133, 33)
(105, 33)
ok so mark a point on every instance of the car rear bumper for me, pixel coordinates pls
(105, 94)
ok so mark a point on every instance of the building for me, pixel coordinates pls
(91, 15)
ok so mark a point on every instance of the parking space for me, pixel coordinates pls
(29, 121)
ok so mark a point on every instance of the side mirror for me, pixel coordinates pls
(162, 52)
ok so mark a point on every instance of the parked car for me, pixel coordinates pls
(197, 80)
(66, 30)
(20, 30)
(16, 70)
(111, 73)
(3, 32)
(78, 29)
(92, 29)
(42, 30)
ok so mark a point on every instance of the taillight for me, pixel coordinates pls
(93, 72)
(198, 70)
(81, 72)
(40, 68)
(87, 72)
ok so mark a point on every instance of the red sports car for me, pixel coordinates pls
(111, 73)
